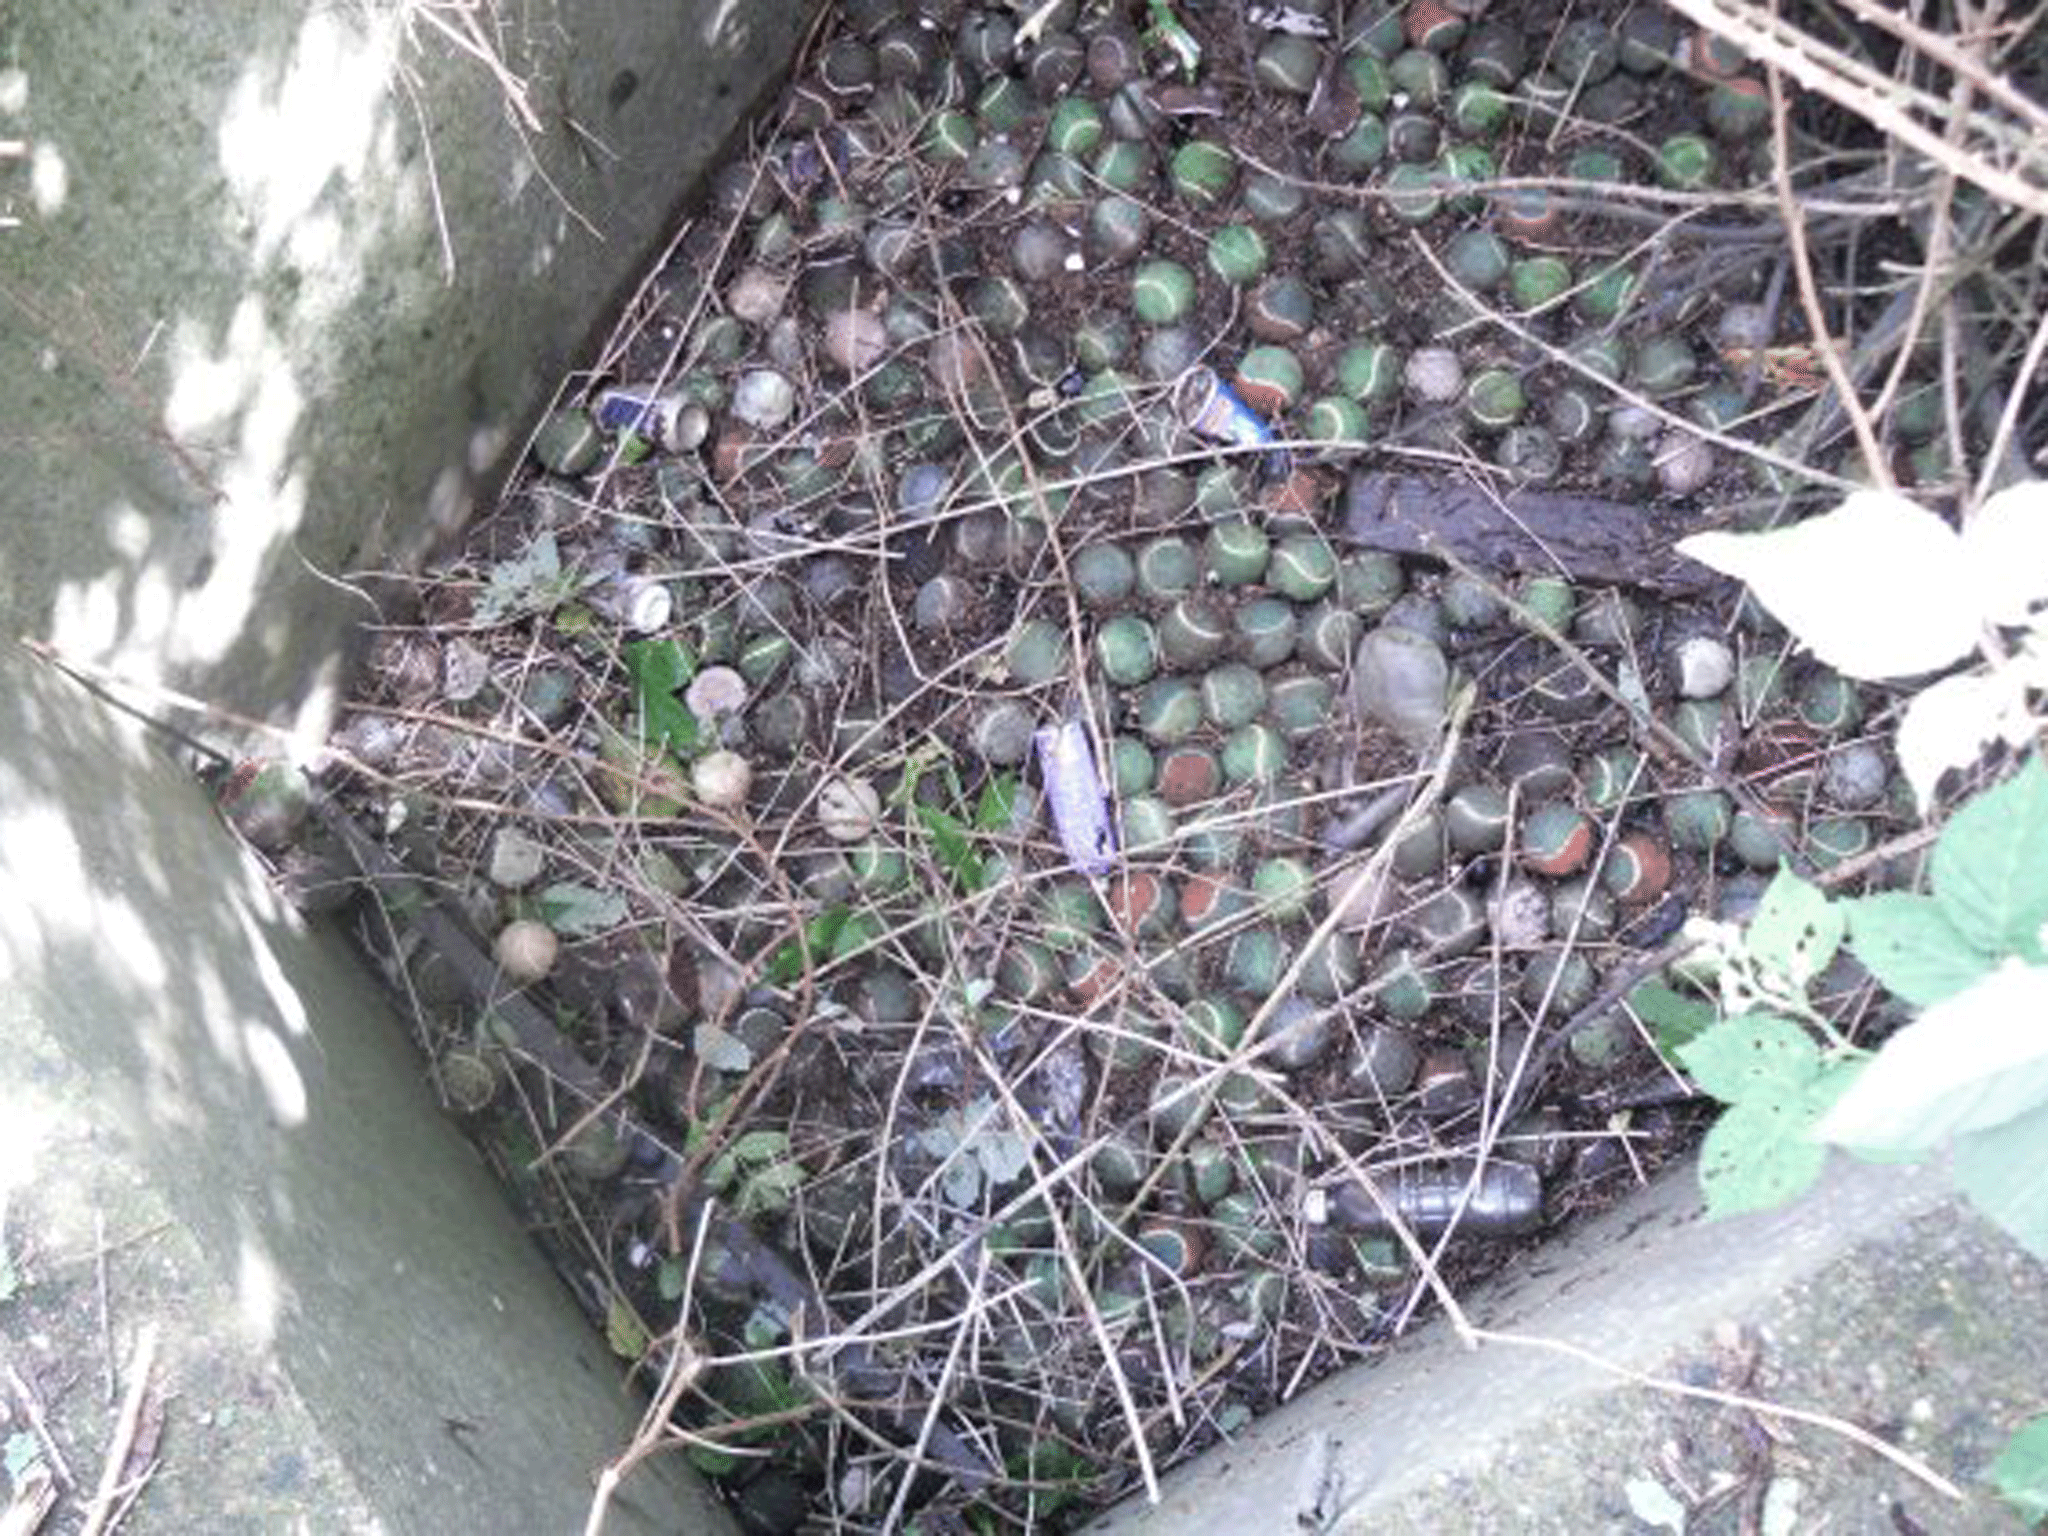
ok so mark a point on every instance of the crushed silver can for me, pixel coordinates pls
(665, 420)
(1210, 408)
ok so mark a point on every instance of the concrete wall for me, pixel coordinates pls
(291, 281)
(288, 285)
(1879, 1300)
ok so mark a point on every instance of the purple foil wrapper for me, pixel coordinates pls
(1080, 807)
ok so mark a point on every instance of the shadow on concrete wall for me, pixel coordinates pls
(289, 285)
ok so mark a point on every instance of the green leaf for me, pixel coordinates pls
(2021, 1471)
(1675, 1017)
(1756, 1156)
(954, 848)
(995, 811)
(723, 1170)
(578, 911)
(2000, 1169)
(787, 963)
(1753, 1058)
(1908, 943)
(860, 931)
(1840, 581)
(671, 1277)
(761, 1146)
(659, 669)
(1991, 865)
(768, 1190)
(1949, 724)
(533, 580)
(622, 1330)
(1796, 929)
(711, 1463)
(649, 783)
(962, 1181)
(1004, 1154)
(1973, 1061)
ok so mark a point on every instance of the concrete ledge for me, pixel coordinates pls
(1876, 1299)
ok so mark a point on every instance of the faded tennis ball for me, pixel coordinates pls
(721, 779)
(848, 809)
(526, 951)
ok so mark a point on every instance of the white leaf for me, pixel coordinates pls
(2006, 543)
(1876, 588)
(1972, 1061)
(1948, 725)
(1003, 1154)
(1781, 1506)
(1652, 1503)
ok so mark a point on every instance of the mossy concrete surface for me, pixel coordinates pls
(1876, 1300)
(282, 288)
(291, 283)
(355, 1331)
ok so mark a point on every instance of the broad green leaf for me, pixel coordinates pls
(1825, 1090)
(998, 804)
(1676, 1018)
(860, 931)
(723, 1169)
(1840, 582)
(671, 1277)
(954, 848)
(2000, 1169)
(787, 963)
(1756, 1157)
(1907, 943)
(534, 579)
(722, 1049)
(1753, 1058)
(1796, 929)
(1949, 724)
(659, 668)
(962, 1181)
(1971, 1061)
(577, 911)
(622, 1330)
(711, 1463)
(2021, 1471)
(761, 1146)
(768, 1190)
(766, 1326)
(1991, 864)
